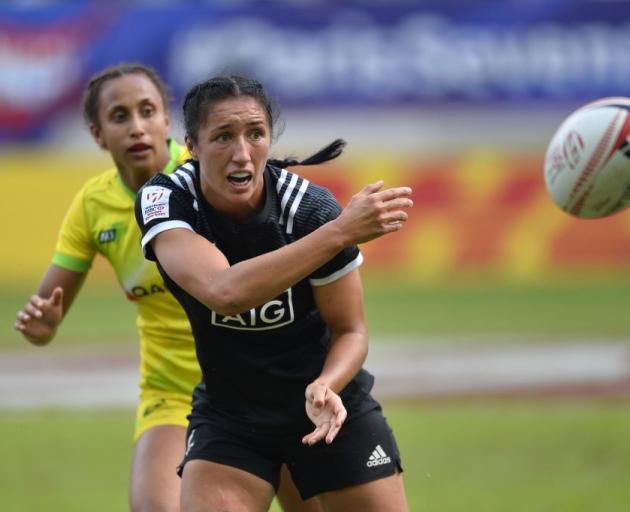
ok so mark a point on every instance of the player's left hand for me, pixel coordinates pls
(325, 409)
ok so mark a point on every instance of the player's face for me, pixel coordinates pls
(133, 124)
(232, 148)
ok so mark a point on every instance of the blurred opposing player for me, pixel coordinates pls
(126, 110)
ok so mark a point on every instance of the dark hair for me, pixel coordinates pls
(202, 96)
(333, 150)
(93, 90)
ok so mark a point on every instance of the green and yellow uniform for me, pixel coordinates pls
(101, 220)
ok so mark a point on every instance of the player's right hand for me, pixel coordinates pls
(39, 318)
(374, 212)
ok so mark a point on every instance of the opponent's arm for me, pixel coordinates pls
(39, 318)
(340, 304)
(204, 272)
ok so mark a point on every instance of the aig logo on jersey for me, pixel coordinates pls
(155, 203)
(271, 315)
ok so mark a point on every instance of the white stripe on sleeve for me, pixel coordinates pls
(287, 195)
(355, 263)
(294, 206)
(160, 228)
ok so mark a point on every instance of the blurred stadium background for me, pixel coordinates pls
(455, 98)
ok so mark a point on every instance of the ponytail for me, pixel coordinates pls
(330, 152)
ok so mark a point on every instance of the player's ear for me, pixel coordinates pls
(191, 147)
(97, 134)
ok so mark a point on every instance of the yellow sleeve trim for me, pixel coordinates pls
(71, 263)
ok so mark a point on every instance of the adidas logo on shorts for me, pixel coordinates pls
(378, 457)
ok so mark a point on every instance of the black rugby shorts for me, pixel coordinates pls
(363, 451)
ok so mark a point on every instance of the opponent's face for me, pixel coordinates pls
(133, 124)
(232, 148)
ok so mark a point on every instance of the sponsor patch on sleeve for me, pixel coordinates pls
(155, 203)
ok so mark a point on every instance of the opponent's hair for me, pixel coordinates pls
(92, 93)
(203, 95)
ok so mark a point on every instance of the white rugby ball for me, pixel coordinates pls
(587, 165)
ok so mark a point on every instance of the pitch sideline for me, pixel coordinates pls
(32, 378)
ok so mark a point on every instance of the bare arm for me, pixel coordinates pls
(340, 304)
(204, 272)
(39, 318)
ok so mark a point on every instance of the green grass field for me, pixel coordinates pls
(479, 457)
(483, 456)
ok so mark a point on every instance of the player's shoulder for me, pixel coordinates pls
(159, 180)
(185, 176)
(181, 179)
(292, 187)
(178, 187)
(303, 204)
(99, 183)
(102, 191)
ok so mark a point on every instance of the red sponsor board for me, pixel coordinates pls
(489, 215)
(483, 214)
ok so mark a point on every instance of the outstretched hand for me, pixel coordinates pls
(373, 212)
(326, 410)
(39, 318)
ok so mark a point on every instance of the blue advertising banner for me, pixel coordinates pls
(319, 54)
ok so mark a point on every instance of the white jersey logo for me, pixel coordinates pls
(270, 315)
(155, 203)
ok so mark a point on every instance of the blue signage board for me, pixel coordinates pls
(319, 54)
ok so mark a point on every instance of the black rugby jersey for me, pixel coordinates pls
(256, 365)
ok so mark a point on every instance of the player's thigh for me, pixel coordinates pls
(289, 497)
(210, 486)
(155, 485)
(384, 495)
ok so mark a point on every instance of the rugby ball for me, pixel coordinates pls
(587, 164)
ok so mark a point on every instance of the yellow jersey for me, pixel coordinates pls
(101, 220)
